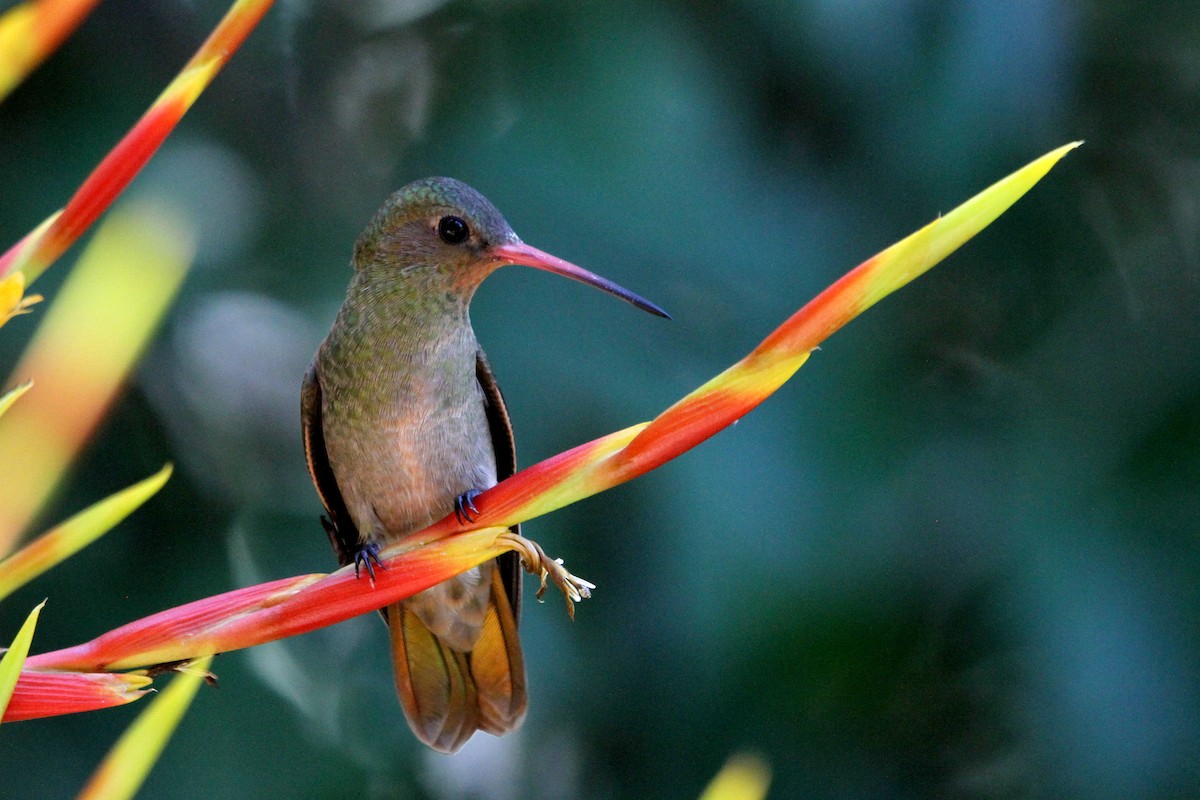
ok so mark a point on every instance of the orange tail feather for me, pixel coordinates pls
(447, 695)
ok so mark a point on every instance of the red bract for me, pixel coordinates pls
(270, 611)
(49, 694)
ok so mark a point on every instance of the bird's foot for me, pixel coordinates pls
(464, 506)
(535, 561)
(367, 556)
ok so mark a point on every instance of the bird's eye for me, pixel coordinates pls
(453, 230)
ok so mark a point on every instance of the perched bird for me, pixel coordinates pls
(403, 423)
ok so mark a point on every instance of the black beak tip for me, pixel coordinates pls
(647, 306)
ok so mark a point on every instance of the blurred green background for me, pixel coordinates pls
(956, 557)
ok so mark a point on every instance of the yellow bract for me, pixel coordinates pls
(127, 764)
(68, 538)
(744, 777)
(17, 46)
(13, 300)
(14, 657)
(916, 253)
(83, 351)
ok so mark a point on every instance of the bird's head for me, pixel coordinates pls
(440, 228)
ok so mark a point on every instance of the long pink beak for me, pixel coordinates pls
(523, 254)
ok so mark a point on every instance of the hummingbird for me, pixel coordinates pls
(403, 423)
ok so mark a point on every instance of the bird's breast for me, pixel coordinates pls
(405, 437)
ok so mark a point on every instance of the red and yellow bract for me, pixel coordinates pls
(725, 399)
(270, 611)
(33, 30)
(291, 606)
(49, 240)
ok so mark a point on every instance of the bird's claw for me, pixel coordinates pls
(535, 561)
(367, 556)
(464, 506)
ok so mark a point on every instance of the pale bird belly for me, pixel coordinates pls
(406, 474)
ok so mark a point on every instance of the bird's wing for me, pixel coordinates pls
(506, 464)
(342, 533)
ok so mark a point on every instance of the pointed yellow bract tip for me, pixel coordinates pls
(918, 252)
(744, 777)
(68, 538)
(126, 766)
(14, 657)
(13, 394)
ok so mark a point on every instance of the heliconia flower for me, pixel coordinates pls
(33, 30)
(287, 607)
(744, 777)
(127, 764)
(49, 240)
(50, 694)
(68, 538)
